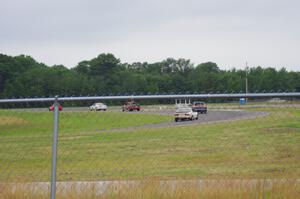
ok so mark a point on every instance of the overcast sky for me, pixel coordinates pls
(228, 32)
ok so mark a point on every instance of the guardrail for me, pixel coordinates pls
(145, 97)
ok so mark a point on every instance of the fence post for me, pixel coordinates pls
(54, 148)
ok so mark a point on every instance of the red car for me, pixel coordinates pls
(51, 108)
(131, 106)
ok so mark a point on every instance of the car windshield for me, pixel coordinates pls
(183, 110)
(131, 103)
(198, 103)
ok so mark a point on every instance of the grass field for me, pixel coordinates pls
(266, 147)
(99, 146)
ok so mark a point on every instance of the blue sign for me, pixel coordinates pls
(242, 101)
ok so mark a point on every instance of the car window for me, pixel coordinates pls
(199, 103)
(131, 103)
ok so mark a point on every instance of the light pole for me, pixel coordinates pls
(246, 78)
(246, 100)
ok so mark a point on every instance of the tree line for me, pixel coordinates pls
(22, 76)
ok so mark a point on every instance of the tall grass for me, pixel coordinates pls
(155, 189)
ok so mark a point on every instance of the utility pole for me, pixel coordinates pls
(246, 77)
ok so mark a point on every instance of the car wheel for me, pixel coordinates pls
(176, 119)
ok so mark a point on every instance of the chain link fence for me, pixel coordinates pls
(239, 148)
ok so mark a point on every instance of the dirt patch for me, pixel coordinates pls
(11, 120)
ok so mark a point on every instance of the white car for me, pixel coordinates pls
(98, 107)
(185, 113)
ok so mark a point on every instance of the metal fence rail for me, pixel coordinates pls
(145, 97)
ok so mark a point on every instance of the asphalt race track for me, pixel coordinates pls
(212, 116)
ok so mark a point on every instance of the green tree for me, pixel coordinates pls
(103, 65)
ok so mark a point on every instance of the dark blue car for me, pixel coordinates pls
(199, 107)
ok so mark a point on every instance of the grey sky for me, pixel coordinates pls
(228, 32)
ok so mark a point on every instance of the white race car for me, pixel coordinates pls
(185, 113)
(98, 107)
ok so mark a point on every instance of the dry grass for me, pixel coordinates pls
(10, 120)
(156, 189)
